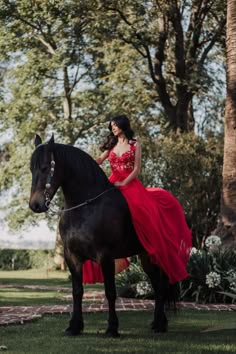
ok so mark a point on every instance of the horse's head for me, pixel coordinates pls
(44, 180)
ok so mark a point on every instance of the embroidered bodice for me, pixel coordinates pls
(123, 165)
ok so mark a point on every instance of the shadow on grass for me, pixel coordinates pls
(40, 282)
(46, 335)
(53, 282)
(22, 297)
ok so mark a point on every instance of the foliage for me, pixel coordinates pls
(68, 66)
(212, 275)
(133, 282)
(190, 167)
(178, 45)
(41, 45)
(24, 259)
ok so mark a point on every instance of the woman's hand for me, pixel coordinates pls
(119, 184)
(102, 157)
(99, 161)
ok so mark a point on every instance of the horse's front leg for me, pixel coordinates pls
(108, 269)
(76, 324)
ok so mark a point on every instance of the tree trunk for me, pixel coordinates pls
(228, 202)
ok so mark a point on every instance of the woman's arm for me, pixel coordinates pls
(137, 167)
(102, 157)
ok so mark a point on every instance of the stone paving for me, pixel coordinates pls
(93, 301)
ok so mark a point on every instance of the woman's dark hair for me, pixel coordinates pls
(122, 122)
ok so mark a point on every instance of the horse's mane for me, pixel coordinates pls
(74, 158)
(81, 161)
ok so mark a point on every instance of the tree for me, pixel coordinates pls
(228, 202)
(175, 41)
(68, 64)
(42, 44)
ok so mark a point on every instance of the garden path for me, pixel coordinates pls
(93, 301)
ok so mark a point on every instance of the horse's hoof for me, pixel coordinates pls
(69, 332)
(112, 334)
(160, 329)
(157, 328)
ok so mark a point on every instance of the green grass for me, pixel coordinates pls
(29, 297)
(23, 297)
(35, 277)
(185, 335)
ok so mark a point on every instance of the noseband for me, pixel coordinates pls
(48, 186)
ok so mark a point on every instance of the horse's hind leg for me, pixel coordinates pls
(76, 324)
(108, 269)
(160, 285)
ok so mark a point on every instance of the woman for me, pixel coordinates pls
(157, 216)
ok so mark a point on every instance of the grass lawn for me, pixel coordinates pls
(185, 335)
(187, 330)
(23, 297)
(34, 276)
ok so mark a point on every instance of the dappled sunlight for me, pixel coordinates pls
(34, 274)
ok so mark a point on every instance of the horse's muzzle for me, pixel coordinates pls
(37, 204)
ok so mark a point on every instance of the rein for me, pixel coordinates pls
(47, 195)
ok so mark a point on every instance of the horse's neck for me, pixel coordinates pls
(82, 184)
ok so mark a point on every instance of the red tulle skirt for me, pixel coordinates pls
(161, 227)
(92, 272)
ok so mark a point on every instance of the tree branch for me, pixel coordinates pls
(49, 47)
(180, 66)
(197, 19)
(212, 42)
(67, 104)
(134, 45)
(37, 28)
(77, 80)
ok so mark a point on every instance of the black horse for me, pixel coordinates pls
(95, 224)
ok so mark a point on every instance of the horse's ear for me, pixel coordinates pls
(51, 142)
(37, 140)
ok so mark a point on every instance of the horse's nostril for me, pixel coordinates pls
(35, 206)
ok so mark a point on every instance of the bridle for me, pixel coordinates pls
(48, 186)
(48, 182)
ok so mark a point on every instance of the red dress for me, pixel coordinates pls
(158, 219)
(92, 272)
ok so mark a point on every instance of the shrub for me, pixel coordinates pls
(24, 259)
(212, 276)
(190, 167)
(133, 282)
(212, 273)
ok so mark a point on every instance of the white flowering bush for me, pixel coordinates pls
(213, 280)
(194, 250)
(133, 282)
(143, 288)
(212, 276)
(212, 241)
(212, 273)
